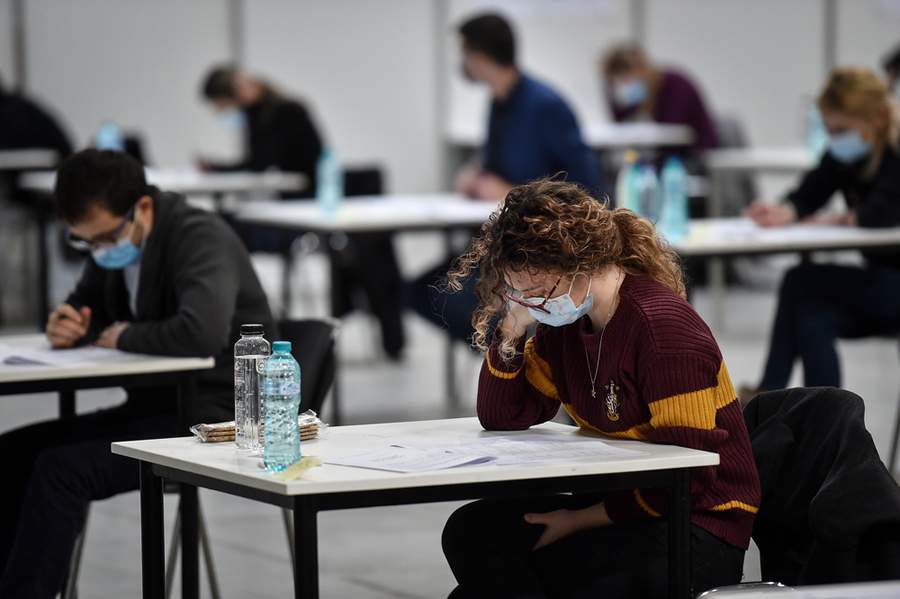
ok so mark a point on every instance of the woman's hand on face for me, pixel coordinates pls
(516, 322)
(766, 214)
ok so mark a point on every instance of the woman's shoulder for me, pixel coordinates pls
(663, 318)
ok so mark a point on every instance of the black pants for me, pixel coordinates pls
(819, 303)
(489, 547)
(52, 471)
(452, 311)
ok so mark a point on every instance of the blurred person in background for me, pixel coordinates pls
(819, 303)
(278, 131)
(891, 64)
(25, 124)
(532, 133)
(639, 90)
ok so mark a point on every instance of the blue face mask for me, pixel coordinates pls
(631, 93)
(561, 310)
(848, 147)
(233, 118)
(118, 256)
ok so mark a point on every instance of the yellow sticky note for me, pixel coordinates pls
(295, 471)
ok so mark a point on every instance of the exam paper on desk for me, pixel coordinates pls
(44, 355)
(416, 455)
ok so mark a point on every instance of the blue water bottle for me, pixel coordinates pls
(674, 222)
(329, 183)
(281, 393)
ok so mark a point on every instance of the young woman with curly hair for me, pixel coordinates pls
(620, 349)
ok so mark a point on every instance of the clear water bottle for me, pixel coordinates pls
(649, 196)
(281, 393)
(625, 182)
(250, 355)
(329, 183)
(674, 222)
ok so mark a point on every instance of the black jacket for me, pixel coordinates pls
(197, 286)
(876, 200)
(280, 134)
(830, 510)
(25, 124)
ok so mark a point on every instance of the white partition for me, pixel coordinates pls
(367, 70)
(867, 30)
(6, 43)
(133, 61)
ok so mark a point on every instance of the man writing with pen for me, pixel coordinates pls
(162, 278)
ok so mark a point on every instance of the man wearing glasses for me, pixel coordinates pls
(162, 278)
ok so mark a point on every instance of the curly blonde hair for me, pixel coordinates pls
(556, 227)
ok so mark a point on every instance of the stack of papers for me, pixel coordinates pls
(11, 355)
(501, 450)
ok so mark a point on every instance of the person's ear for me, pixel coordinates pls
(143, 210)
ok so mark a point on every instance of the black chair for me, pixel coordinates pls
(71, 587)
(830, 511)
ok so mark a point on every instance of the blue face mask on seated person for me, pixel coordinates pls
(631, 93)
(561, 310)
(115, 257)
(848, 147)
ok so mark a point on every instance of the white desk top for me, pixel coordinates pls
(113, 363)
(599, 135)
(188, 181)
(755, 159)
(861, 590)
(375, 213)
(740, 236)
(14, 160)
(222, 460)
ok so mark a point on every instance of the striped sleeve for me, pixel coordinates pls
(686, 393)
(517, 394)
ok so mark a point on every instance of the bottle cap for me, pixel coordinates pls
(281, 347)
(252, 329)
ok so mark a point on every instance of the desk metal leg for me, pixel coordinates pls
(190, 552)
(306, 549)
(449, 353)
(680, 535)
(287, 294)
(43, 274)
(66, 404)
(153, 551)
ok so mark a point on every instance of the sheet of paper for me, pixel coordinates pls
(46, 356)
(408, 459)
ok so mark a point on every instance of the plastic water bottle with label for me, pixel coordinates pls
(649, 195)
(673, 224)
(250, 355)
(626, 196)
(281, 393)
(329, 183)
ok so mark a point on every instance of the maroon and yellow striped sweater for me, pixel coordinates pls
(669, 385)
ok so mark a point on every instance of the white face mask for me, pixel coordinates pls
(561, 310)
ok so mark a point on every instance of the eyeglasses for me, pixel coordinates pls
(104, 239)
(516, 297)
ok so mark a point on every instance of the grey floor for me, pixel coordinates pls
(393, 552)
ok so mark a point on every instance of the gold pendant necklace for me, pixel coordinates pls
(596, 371)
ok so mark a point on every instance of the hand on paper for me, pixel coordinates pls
(766, 214)
(66, 325)
(109, 338)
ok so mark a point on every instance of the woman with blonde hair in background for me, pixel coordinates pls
(618, 347)
(818, 303)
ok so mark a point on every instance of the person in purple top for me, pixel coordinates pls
(638, 90)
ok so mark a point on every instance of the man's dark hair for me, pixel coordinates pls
(219, 83)
(891, 60)
(112, 180)
(491, 35)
